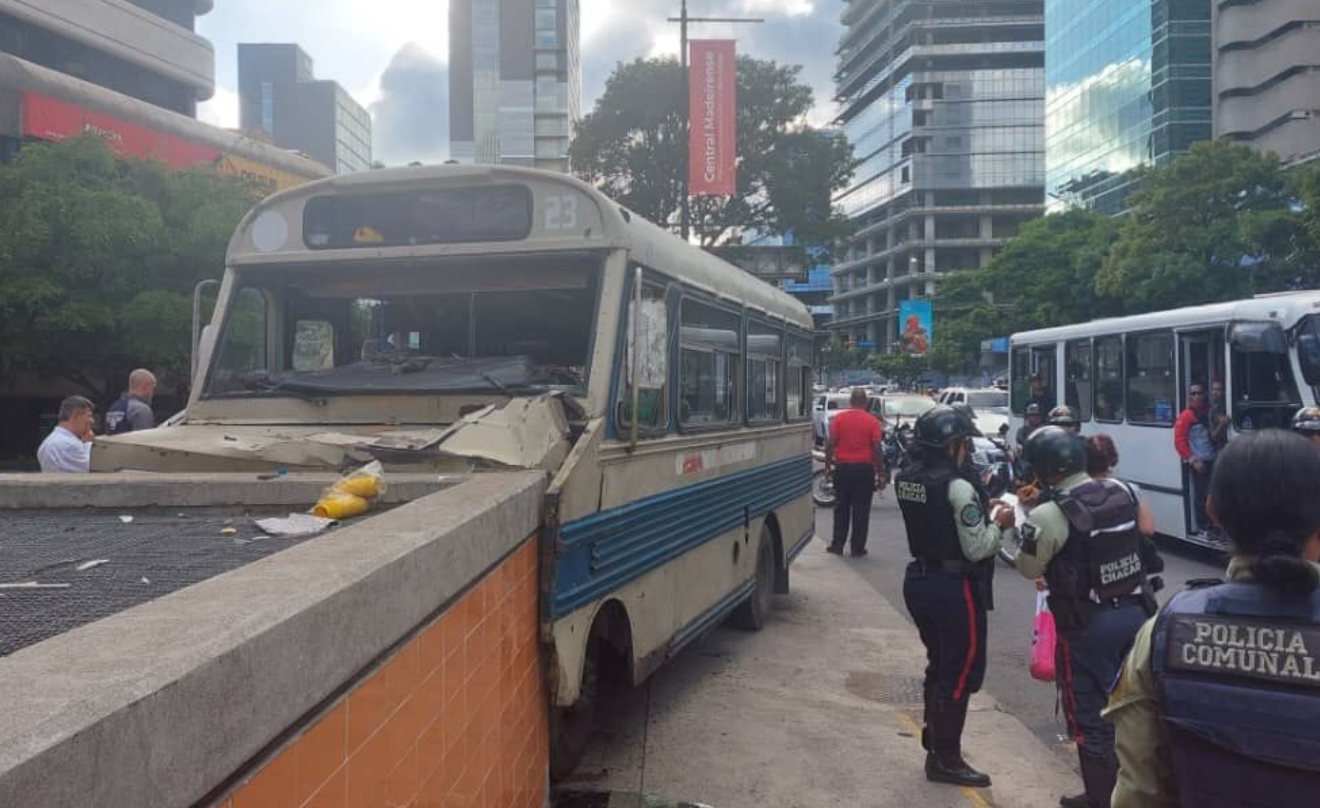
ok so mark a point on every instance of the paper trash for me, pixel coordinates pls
(294, 525)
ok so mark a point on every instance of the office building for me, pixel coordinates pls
(1267, 75)
(145, 49)
(1128, 84)
(281, 99)
(943, 101)
(515, 81)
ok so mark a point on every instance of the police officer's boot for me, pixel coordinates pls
(1099, 775)
(945, 763)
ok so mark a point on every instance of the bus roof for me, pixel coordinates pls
(605, 226)
(1287, 307)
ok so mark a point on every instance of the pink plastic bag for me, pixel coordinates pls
(1042, 641)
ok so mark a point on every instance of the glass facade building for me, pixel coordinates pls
(1128, 84)
(944, 103)
(515, 81)
(281, 100)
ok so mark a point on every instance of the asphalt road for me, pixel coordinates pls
(1009, 639)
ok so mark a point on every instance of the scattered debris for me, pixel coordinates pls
(34, 585)
(128, 520)
(146, 580)
(88, 565)
(294, 525)
(228, 531)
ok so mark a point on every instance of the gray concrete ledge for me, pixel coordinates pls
(158, 705)
(142, 490)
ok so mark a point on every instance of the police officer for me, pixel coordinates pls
(1066, 417)
(1307, 424)
(1033, 417)
(1083, 538)
(1216, 705)
(947, 585)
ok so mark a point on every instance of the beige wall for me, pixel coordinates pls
(119, 28)
(1267, 75)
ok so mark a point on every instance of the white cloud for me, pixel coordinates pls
(221, 110)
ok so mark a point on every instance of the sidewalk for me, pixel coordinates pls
(821, 708)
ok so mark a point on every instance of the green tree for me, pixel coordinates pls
(98, 259)
(1213, 225)
(902, 368)
(631, 146)
(1044, 277)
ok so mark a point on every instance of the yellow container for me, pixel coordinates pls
(338, 505)
(364, 486)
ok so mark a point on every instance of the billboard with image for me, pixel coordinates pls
(915, 331)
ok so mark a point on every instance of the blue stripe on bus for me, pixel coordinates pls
(709, 618)
(799, 547)
(604, 551)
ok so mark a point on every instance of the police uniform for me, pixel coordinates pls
(947, 591)
(1219, 702)
(1085, 543)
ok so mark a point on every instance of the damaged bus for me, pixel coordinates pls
(455, 320)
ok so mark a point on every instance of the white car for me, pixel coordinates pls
(827, 405)
(989, 405)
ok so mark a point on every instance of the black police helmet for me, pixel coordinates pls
(1034, 408)
(1063, 415)
(1307, 421)
(938, 427)
(1054, 450)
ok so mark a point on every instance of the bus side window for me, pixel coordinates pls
(765, 349)
(1109, 400)
(653, 367)
(798, 378)
(1021, 372)
(710, 358)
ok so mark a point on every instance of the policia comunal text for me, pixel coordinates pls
(947, 586)
(1218, 703)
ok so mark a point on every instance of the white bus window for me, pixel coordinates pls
(1264, 391)
(1109, 405)
(1021, 373)
(709, 360)
(1078, 389)
(798, 379)
(243, 347)
(1152, 389)
(764, 356)
(653, 365)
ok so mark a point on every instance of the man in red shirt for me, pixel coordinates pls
(855, 457)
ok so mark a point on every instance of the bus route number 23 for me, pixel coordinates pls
(561, 213)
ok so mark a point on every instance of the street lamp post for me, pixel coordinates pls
(683, 20)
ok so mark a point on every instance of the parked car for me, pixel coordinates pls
(990, 406)
(902, 407)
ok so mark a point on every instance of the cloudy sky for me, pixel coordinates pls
(392, 54)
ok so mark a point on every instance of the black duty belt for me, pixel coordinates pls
(1116, 603)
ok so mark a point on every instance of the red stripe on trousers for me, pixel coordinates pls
(971, 641)
(1069, 698)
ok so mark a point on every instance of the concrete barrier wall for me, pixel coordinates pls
(457, 717)
(394, 657)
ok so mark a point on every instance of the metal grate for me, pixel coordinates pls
(899, 691)
(153, 555)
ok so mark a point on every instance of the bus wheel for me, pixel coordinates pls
(571, 728)
(752, 613)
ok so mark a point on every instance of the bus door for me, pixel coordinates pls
(1200, 362)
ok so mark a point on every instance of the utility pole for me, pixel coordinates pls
(683, 20)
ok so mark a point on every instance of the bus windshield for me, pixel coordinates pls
(510, 326)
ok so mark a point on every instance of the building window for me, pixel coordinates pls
(547, 61)
(547, 39)
(545, 19)
(268, 107)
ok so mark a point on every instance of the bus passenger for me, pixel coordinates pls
(1085, 542)
(947, 586)
(1192, 440)
(1215, 705)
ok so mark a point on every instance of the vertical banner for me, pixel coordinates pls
(712, 117)
(914, 326)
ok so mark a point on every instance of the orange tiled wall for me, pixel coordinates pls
(456, 718)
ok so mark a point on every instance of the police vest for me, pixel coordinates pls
(923, 497)
(1102, 556)
(116, 418)
(1237, 670)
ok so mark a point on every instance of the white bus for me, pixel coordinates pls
(1128, 377)
(456, 319)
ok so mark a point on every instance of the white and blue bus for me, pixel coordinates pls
(1128, 377)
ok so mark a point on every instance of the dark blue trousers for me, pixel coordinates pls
(951, 621)
(1087, 661)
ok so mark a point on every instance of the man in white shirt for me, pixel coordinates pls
(68, 449)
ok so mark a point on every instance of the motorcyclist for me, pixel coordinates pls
(1066, 417)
